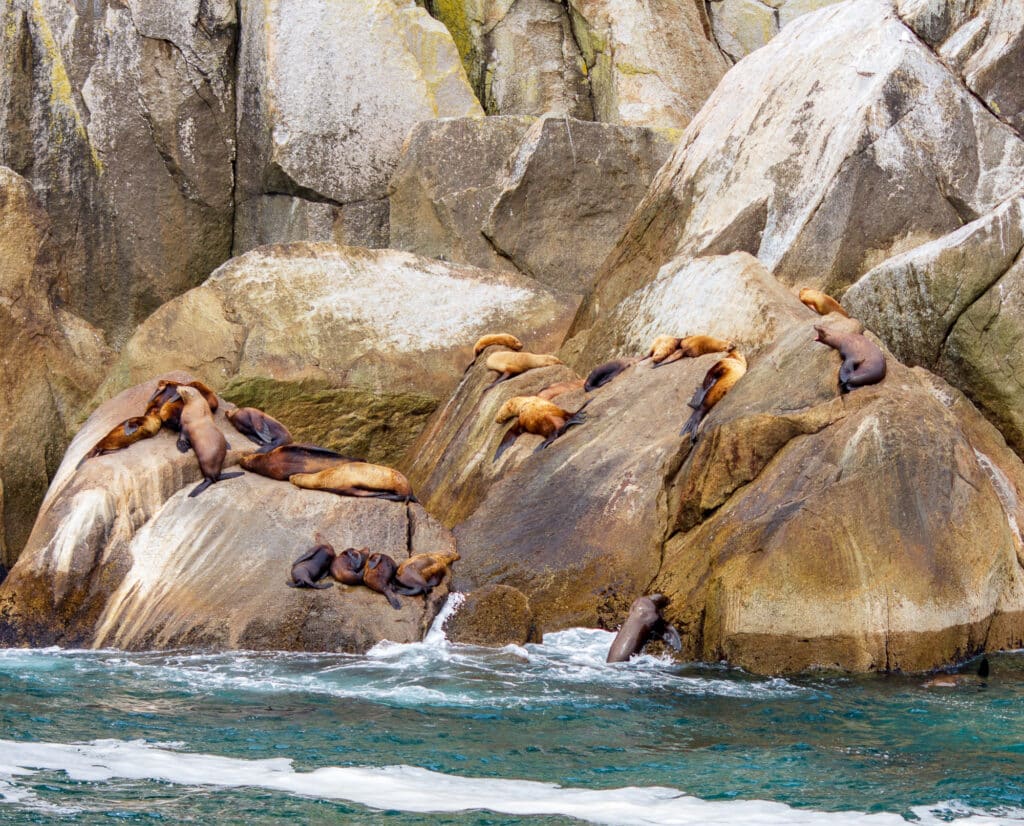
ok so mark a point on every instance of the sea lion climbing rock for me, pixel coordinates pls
(604, 373)
(644, 623)
(535, 415)
(200, 433)
(821, 303)
(718, 381)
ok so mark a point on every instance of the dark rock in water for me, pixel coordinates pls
(494, 616)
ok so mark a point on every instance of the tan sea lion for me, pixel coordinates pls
(422, 572)
(204, 437)
(286, 460)
(259, 427)
(821, 303)
(378, 574)
(604, 373)
(956, 680)
(502, 339)
(167, 402)
(694, 347)
(863, 361)
(311, 567)
(560, 387)
(358, 479)
(535, 415)
(127, 433)
(661, 348)
(510, 364)
(718, 381)
(347, 566)
(644, 622)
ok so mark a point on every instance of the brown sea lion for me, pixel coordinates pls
(863, 361)
(378, 574)
(259, 427)
(560, 387)
(510, 364)
(311, 567)
(358, 479)
(955, 680)
(347, 566)
(604, 373)
(644, 622)
(204, 437)
(167, 402)
(535, 415)
(718, 381)
(694, 347)
(422, 572)
(127, 433)
(821, 303)
(661, 348)
(502, 339)
(286, 460)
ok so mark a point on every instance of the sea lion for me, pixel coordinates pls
(311, 567)
(347, 566)
(821, 303)
(378, 573)
(204, 437)
(510, 364)
(954, 680)
(863, 361)
(167, 402)
(127, 433)
(723, 374)
(560, 387)
(286, 460)
(535, 415)
(358, 479)
(604, 373)
(259, 427)
(422, 572)
(502, 339)
(644, 622)
(694, 347)
(661, 348)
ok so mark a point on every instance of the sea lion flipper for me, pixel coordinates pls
(292, 584)
(412, 578)
(409, 592)
(233, 475)
(692, 424)
(503, 377)
(322, 586)
(183, 443)
(263, 432)
(678, 354)
(128, 427)
(308, 555)
(670, 636)
(510, 436)
(200, 487)
(394, 600)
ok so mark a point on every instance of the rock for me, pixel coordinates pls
(120, 556)
(815, 155)
(318, 140)
(122, 117)
(649, 63)
(350, 348)
(741, 26)
(493, 616)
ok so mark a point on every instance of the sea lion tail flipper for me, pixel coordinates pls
(394, 600)
(678, 354)
(129, 428)
(692, 424)
(510, 436)
(263, 433)
(200, 487)
(235, 475)
(322, 586)
(671, 637)
(503, 377)
(292, 584)
(579, 417)
(408, 592)
(983, 670)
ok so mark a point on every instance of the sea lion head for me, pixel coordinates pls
(510, 409)
(188, 393)
(355, 558)
(820, 334)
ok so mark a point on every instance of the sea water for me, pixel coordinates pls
(441, 733)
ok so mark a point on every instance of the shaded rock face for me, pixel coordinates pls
(493, 616)
(120, 556)
(816, 155)
(319, 139)
(122, 117)
(350, 348)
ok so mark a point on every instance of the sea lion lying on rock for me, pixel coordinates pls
(125, 434)
(358, 479)
(821, 303)
(379, 574)
(604, 373)
(718, 381)
(347, 566)
(535, 415)
(863, 361)
(259, 427)
(311, 567)
(422, 572)
(285, 461)
(667, 349)
(510, 364)
(643, 623)
(168, 403)
(493, 340)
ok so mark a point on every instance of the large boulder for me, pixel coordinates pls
(351, 348)
(741, 26)
(122, 115)
(493, 616)
(121, 556)
(319, 138)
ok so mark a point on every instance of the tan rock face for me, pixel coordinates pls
(122, 116)
(494, 616)
(120, 556)
(741, 26)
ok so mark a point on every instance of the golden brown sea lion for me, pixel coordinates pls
(422, 572)
(502, 339)
(127, 433)
(863, 361)
(535, 415)
(311, 567)
(956, 680)
(204, 437)
(560, 387)
(510, 364)
(694, 347)
(821, 303)
(644, 621)
(378, 574)
(718, 381)
(661, 348)
(604, 373)
(358, 479)
(282, 462)
(347, 566)
(167, 402)
(259, 427)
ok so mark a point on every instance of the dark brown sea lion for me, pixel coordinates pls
(347, 566)
(644, 622)
(378, 574)
(863, 361)
(422, 572)
(259, 427)
(510, 364)
(821, 303)
(167, 402)
(604, 373)
(537, 416)
(127, 433)
(358, 479)
(204, 437)
(282, 462)
(955, 680)
(311, 567)
(718, 381)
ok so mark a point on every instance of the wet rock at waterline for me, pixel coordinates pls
(493, 616)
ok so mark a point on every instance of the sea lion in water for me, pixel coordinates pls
(259, 427)
(644, 622)
(378, 573)
(358, 479)
(718, 381)
(422, 572)
(311, 567)
(167, 402)
(204, 437)
(955, 680)
(285, 461)
(510, 364)
(347, 566)
(535, 415)
(560, 387)
(604, 373)
(863, 361)
(821, 303)
(127, 433)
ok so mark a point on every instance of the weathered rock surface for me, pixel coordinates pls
(741, 26)
(122, 117)
(817, 155)
(120, 556)
(493, 616)
(319, 139)
(350, 348)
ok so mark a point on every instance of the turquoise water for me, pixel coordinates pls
(420, 733)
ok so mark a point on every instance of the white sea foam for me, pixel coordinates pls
(412, 789)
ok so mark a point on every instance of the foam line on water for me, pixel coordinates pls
(413, 789)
